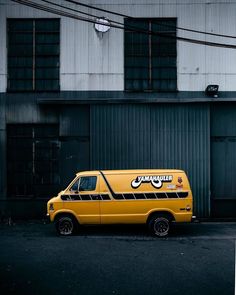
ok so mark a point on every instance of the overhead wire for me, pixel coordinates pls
(66, 14)
(166, 25)
(58, 12)
(75, 10)
(131, 27)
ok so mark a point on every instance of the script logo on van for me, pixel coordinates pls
(156, 180)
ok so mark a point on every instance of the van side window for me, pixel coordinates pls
(88, 183)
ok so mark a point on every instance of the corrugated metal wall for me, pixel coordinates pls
(223, 160)
(155, 136)
(120, 136)
(3, 151)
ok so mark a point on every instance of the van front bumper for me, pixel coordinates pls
(194, 218)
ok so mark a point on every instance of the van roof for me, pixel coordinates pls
(132, 171)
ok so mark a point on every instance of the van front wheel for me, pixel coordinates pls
(65, 225)
(159, 226)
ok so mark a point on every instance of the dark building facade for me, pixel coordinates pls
(126, 100)
(48, 141)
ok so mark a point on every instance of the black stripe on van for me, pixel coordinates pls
(172, 195)
(78, 197)
(118, 196)
(140, 196)
(85, 197)
(70, 198)
(105, 197)
(161, 195)
(182, 194)
(151, 196)
(128, 196)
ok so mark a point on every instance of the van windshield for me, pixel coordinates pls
(69, 186)
(75, 186)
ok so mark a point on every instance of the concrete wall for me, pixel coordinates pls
(92, 62)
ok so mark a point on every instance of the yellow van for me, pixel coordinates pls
(152, 197)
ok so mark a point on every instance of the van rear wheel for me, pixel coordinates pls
(66, 225)
(159, 225)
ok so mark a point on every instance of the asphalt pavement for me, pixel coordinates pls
(196, 258)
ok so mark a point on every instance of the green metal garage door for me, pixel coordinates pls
(223, 160)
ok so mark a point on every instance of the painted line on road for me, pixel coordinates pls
(137, 238)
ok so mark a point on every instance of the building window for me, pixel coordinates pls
(150, 60)
(33, 54)
(33, 160)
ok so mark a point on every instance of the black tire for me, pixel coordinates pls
(66, 225)
(159, 225)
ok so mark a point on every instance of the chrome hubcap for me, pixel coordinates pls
(161, 226)
(65, 226)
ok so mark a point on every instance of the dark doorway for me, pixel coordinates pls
(223, 176)
(32, 161)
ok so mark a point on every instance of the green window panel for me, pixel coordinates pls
(137, 73)
(18, 73)
(168, 38)
(47, 49)
(47, 85)
(164, 49)
(47, 61)
(140, 61)
(50, 38)
(164, 25)
(132, 37)
(47, 25)
(19, 85)
(136, 49)
(49, 73)
(21, 62)
(137, 85)
(164, 73)
(164, 61)
(20, 50)
(165, 85)
(20, 38)
(18, 25)
(33, 54)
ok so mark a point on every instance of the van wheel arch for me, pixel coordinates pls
(70, 219)
(166, 214)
